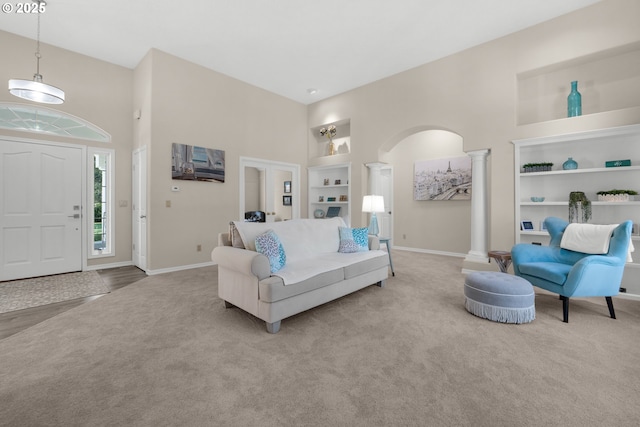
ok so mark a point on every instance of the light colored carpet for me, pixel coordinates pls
(26, 293)
(165, 352)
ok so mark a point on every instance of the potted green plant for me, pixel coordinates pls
(537, 167)
(615, 195)
(579, 201)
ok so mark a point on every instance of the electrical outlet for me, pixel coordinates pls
(168, 203)
(404, 236)
(199, 248)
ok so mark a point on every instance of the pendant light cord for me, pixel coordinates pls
(38, 42)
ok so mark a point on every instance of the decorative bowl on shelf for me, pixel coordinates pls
(537, 199)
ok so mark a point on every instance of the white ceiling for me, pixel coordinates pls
(284, 46)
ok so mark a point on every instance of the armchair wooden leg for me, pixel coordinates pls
(610, 305)
(565, 309)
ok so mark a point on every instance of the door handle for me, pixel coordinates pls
(75, 216)
(142, 216)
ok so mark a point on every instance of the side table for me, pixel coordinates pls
(502, 258)
(385, 240)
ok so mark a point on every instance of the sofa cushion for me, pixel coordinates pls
(554, 272)
(273, 288)
(301, 238)
(375, 260)
(269, 245)
(353, 240)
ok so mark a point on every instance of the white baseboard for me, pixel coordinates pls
(179, 268)
(428, 251)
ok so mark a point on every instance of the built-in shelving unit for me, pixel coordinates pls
(590, 150)
(608, 80)
(319, 144)
(330, 182)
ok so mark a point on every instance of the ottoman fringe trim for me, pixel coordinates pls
(500, 314)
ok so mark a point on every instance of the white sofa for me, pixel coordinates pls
(315, 272)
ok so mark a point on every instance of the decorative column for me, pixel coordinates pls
(479, 207)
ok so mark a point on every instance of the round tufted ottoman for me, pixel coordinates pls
(500, 297)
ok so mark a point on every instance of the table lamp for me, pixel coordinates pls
(373, 204)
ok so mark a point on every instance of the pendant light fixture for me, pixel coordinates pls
(35, 90)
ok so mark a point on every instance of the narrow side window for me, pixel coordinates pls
(101, 212)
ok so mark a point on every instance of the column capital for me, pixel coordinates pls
(375, 165)
(479, 153)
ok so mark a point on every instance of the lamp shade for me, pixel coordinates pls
(35, 90)
(373, 203)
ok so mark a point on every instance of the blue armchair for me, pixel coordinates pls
(573, 274)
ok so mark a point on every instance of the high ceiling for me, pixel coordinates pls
(284, 46)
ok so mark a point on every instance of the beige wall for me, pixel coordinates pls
(474, 94)
(437, 221)
(96, 91)
(196, 106)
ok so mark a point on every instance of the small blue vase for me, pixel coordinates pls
(570, 164)
(574, 101)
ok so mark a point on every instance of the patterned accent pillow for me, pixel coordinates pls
(268, 244)
(353, 240)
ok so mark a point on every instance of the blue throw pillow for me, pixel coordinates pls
(270, 246)
(353, 240)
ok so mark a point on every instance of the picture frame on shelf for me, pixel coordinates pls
(542, 226)
(286, 200)
(526, 225)
(635, 229)
(321, 198)
(287, 186)
(331, 199)
(333, 211)
(337, 182)
(326, 181)
(343, 198)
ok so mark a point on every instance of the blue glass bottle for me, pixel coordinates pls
(570, 164)
(574, 101)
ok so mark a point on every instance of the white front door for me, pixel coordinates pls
(139, 208)
(40, 209)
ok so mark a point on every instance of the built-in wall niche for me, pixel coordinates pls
(319, 145)
(608, 80)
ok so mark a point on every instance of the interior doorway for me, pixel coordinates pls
(41, 205)
(385, 218)
(270, 187)
(139, 208)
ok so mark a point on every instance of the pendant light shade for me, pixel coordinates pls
(35, 90)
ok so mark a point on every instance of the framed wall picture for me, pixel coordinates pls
(189, 162)
(442, 179)
(287, 186)
(286, 200)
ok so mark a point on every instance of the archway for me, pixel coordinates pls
(453, 227)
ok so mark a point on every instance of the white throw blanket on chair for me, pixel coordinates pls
(590, 239)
